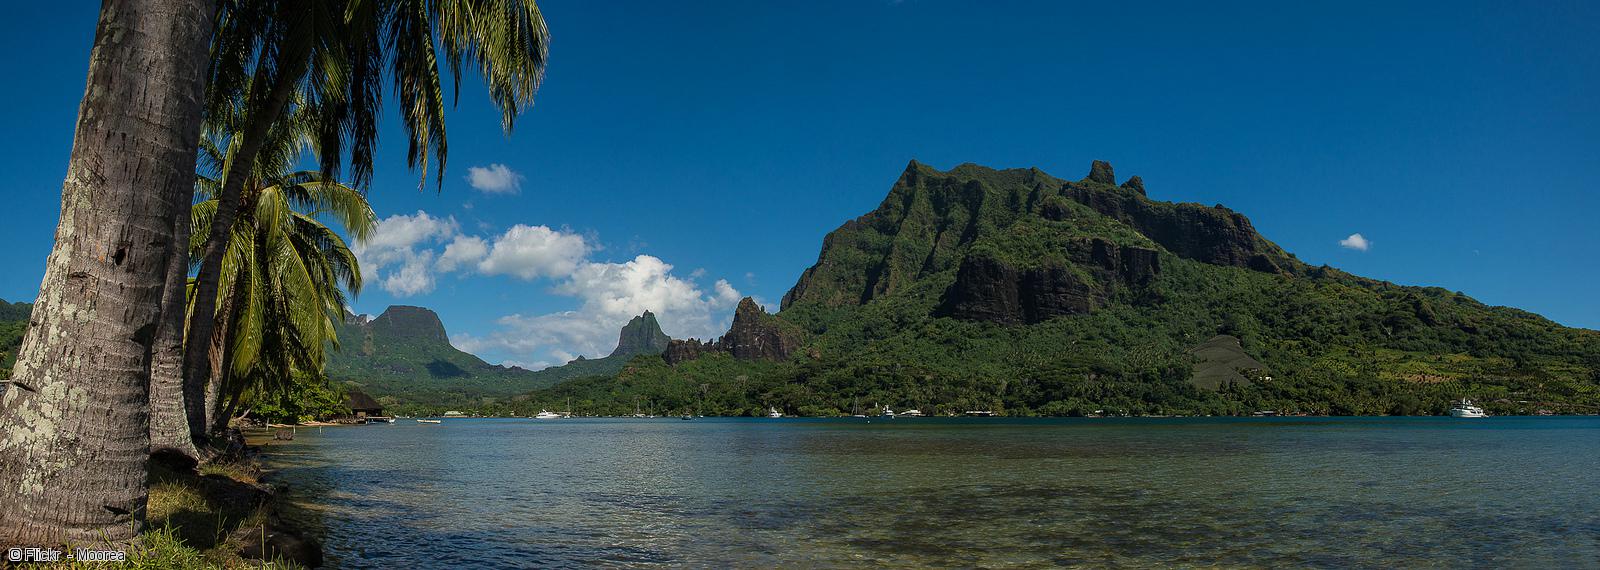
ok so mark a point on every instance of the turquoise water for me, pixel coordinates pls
(1290, 492)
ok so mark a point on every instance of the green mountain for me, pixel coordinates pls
(1021, 293)
(642, 335)
(405, 356)
(13, 323)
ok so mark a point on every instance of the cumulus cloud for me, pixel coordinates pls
(412, 277)
(403, 258)
(408, 252)
(495, 179)
(398, 255)
(531, 252)
(726, 293)
(463, 251)
(609, 295)
(1356, 242)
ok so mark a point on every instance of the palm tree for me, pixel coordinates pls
(73, 436)
(331, 55)
(281, 278)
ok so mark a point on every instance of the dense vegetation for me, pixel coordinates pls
(13, 323)
(1331, 343)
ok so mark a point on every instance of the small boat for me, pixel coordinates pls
(912, 413)
(547, 415)
(687, 417)
(423, 421)
(980, 413)
(888, 413)
(1465, 409)
(773, 413)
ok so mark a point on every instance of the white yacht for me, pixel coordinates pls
(887, 413)
(773, 412)
(911, 413)
(1465, 409)
(547, 415)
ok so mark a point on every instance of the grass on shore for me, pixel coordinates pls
(196, 520)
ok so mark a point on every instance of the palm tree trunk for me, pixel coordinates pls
(203, 318)
(170, 428)
(74, 433)
(217, 367)
(202, 321)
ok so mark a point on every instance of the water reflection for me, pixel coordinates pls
(926, 492)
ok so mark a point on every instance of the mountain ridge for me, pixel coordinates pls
(1018, 292)
(404, 355)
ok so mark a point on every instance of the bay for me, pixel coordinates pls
(936, 492)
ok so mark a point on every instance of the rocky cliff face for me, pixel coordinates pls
(755, 335)
(405, 321)
(686, 350)
(642, 335)
(932, 220)
(1214, 235)
(987, 289)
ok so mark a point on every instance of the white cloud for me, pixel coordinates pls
(1356, 242)
(402, 256)
(413, 277)
(402, 231)
(610, 294)
(495, 179)
(531, 252)
(463, 251)
(726, 293)
(407, 253)
(395, 243)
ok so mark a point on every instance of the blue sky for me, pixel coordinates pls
(725, 139)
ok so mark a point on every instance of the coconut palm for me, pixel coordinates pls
(331, 54)
(73, 436)
(281, 278)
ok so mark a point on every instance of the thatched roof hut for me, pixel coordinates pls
(362, 405)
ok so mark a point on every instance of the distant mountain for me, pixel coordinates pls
(406, 355)
(754, 335)
(1022, 293)
(642, 335)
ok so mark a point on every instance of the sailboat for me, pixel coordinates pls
(855, 408)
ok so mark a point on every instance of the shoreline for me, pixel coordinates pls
(220, 514)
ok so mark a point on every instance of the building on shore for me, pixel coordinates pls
(362, 406)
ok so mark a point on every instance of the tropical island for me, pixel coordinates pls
(1020, 293)
(270, 330)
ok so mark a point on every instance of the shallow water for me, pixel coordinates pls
(1318, 492)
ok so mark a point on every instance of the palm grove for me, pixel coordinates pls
(194, 266)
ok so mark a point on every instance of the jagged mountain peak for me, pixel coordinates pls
(642, 335)
(932, 220)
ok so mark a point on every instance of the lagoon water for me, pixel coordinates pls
(1278, 492)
